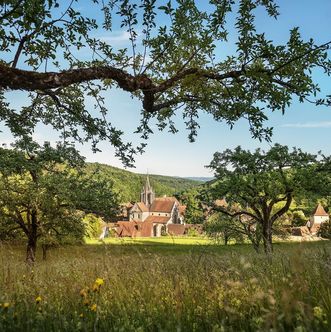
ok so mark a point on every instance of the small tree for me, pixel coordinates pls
(41, 194)
(194, 213)
(325, 230)
(263, 183)
(299, 218)
(222, 227)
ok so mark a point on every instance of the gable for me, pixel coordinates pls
(139, 207)
(165, 206)
(319, 211)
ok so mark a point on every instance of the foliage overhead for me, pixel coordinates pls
(52, 51)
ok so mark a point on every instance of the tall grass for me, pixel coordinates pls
(174, 288)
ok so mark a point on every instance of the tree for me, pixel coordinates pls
(50, 50)
(221, 227)
(325, 230)
(194, 213)
(44, 196)
(263, 183)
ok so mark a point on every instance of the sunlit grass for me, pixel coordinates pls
(154, 240)
(167, 287)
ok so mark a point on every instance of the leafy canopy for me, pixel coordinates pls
(171, 64)
(45, 192)
(261, 185)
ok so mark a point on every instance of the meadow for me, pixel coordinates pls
(167, 285)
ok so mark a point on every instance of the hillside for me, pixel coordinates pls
(129, 184)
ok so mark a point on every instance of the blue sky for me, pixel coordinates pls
(303, 125)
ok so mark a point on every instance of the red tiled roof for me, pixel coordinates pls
(167, 198)
(134, 229)
(319, 211)
(127, 205)
(142, 207)
(157, 219)
(162, 205)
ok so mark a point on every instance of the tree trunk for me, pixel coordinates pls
(226, 239)
(32, 239)
(31, 249)
(267, 238)
(256, 246)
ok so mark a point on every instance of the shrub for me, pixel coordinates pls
(325, 230)
(299, 218)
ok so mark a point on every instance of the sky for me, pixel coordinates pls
(303, 125)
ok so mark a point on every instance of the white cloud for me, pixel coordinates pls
(116, 38)
(322, 124)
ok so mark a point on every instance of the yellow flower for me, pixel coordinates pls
(83, 293)
(81, 315)
(318, 313)
(38, 299)
(93, 307)
(86, 302)
(6, 305)
(95, 288)
(99, 282)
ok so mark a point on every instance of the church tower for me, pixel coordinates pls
(147, 195)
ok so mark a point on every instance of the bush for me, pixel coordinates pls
(325, 230)
(299, 218)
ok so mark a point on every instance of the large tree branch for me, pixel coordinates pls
(284, 209)
(18, 79)
(235, 214)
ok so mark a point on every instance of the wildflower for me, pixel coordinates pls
(81, 315)
(6, 305)
(83, 293)
(318, 313)
(93, 307)
(38, 299)
(86, 302)
(95, 288)
(99, 282)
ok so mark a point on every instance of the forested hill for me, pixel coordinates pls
(129, 184)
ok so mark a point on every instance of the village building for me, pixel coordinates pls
(314, 223)
(318, 217)
(152, 216)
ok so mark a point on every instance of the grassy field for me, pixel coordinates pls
(167, 285)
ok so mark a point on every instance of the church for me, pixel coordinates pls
(152, 216)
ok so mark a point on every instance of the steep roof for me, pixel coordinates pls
(168, 198)
(157, 219)
(128, 205)
(161, 205)
(141, 206)
(319, 211)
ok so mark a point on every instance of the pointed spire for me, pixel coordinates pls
(147, 195)
(147, 185)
